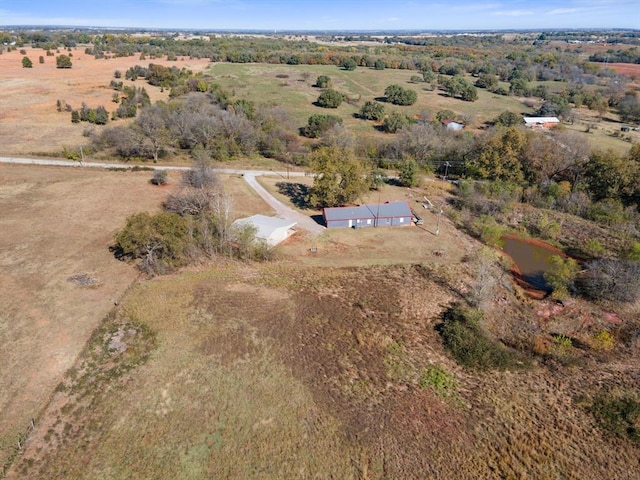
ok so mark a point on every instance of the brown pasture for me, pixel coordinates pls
(55, 231)
(29, 121)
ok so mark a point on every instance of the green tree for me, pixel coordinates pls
(27, 63)
(395, 122)
(609, 176)
(318, 124)
(508, 119)
(372, 110)
(409, 173)
(443, 115)
(63, 61)
(323, 81)
(379, 64)
(349, 64)
(340, 177)
(330, 99)
(101, 116)
(400, 96)
(487, 80)
(160, 240)
(497, 155)
(561, 275)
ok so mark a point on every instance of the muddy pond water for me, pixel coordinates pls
(532, 259)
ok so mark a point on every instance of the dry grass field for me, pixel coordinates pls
(29, 121)
(58, 278)
(284, 371)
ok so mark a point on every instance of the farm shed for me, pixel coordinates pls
(451, 125)
(272, 230)
(541, 122)
(373, 215)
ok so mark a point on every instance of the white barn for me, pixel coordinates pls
(272, 230)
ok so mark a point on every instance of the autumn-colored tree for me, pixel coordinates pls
(340, 177)
(497, 155)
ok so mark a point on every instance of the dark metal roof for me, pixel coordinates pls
(379, 210)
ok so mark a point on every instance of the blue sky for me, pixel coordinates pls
(325, 14)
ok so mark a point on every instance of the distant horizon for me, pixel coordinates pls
(325, 16)
(324, 31)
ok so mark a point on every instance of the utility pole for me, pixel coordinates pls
(446, 170)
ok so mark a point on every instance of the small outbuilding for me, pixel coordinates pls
(272, 230)
(541, 122)
(390, 214)
(451, 125)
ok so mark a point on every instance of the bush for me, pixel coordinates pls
(439, 380)
(611, 279)
(470, 345)
(372, 110)
(349, 64)
(395, 122)
(618, 416)
(318, 124)
(159, 177)
(602, 341)
(561, 275)
(323, 81)
(330, 99)
(400, 96)
(159, 240)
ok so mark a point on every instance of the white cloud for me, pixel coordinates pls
(513, 13)
(563, 11)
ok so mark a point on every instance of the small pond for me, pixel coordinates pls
(532, 259)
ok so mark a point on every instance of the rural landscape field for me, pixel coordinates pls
(145, 335)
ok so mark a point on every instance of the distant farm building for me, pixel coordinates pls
(541, 122)
(390, 214)
(451, 125)
(272, 230)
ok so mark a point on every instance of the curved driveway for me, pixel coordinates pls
(281, 209)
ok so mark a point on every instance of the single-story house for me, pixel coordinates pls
(388, 214)
(272, 230)
(541, 122)
(451, 125)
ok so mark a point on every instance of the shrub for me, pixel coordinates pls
(318, 124)
(611, 279)
(159, 240)
(469, 344)
(323, 81)
(602, 340)
(561, 275)
(349, 64)
(489, 231)
(439, 380)
(395, 122)
(372, 110)
(159, 177)
(330, 99)
(400, 96)
(618, 416)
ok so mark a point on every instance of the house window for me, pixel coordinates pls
(368, 221)
(401, 220)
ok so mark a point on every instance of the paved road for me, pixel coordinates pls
(281, 209)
